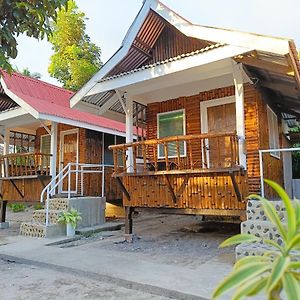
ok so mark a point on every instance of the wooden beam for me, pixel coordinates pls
(182, 186)
(266, 65)
(169, 186)
(123, 188)
(235, 186)
(17, 189)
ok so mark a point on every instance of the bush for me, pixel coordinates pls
(17, 207)
(276, 270)
(38, 206)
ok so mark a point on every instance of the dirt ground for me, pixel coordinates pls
(170, 239)
(30, 282)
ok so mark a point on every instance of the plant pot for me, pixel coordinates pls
(70, 230)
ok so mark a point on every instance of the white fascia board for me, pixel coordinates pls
(12, 113)
(220, 35)
(168, 68)
(18, 100)
(81, 124)
(118, 56)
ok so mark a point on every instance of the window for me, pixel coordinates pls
(45, 149)
(171, 124)
(273, 132)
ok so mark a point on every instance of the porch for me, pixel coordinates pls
(197, 173)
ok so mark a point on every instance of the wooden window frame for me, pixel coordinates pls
(273, 132)
(184, 132)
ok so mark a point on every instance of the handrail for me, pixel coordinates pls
(67, 171)
(185, 152)
(24, 154)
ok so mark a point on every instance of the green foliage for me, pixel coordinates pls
(29, 17)
(70, 217)
(38, 206)
(76, 58)
(278, 269)
(17, 207)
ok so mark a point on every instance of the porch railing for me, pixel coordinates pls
(24, 164)
(214, 151)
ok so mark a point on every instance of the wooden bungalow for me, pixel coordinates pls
(214, 98)
(41, 134)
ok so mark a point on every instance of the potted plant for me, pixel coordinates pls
(70, 218)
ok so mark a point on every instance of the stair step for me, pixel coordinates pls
(38, 230)
(258, 214)
(58, 204)
(263, 229)
(257, 204)
(39, 216)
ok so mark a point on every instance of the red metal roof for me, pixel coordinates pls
(49, 99)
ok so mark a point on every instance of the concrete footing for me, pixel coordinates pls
(4, 225)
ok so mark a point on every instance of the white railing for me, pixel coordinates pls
(67, 171)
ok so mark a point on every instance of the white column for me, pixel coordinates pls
(6, 143)
(53, 149)
(129, 132)
(240, 111)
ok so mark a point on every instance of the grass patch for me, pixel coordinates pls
(17, 207)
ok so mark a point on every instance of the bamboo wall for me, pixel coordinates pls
(208, 192)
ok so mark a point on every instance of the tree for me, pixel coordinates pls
(27, 72)
(30, 17)
(76, 58)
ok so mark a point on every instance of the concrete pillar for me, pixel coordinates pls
(53, 149)
(240, 112)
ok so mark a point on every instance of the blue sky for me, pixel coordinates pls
(108, 22)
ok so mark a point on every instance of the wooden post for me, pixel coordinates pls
(128, 220)
(240, 113)
(53, 147)
(3, 213)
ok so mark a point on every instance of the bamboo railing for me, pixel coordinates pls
(177, 153)
(24, 164)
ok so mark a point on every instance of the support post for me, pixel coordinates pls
(3, 224)
(6, 151)
(240, 113)
(129, 133)
(53, 146)
(128, 223)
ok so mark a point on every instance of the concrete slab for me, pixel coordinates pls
(4, 225)
(108, 226)
(130, 267)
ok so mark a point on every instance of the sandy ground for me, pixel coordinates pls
(169, 239)
(29, 282)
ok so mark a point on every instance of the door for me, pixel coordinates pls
(69, 153)
(220, 118)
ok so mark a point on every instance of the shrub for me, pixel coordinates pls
(70, 217)
(276, 270)
(38, 206)
(17, 207)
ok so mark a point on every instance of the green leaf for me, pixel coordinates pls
(294, 243)
(280, 266)
(248, 260)
(239, 239)
(291, 214)
(297, 212)
(239, 277)
(275, 245)
(252, 287)
(291, 286)
(294, 265)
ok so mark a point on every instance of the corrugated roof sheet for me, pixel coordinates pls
(51, 100)
(184, 55)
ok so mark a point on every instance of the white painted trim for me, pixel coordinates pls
(169, 68)
(275, 134)
(81, 124)
(12, 113)
(18, 100)
(118, 56)
(204, 105)
(61, 152)
(184, 131)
